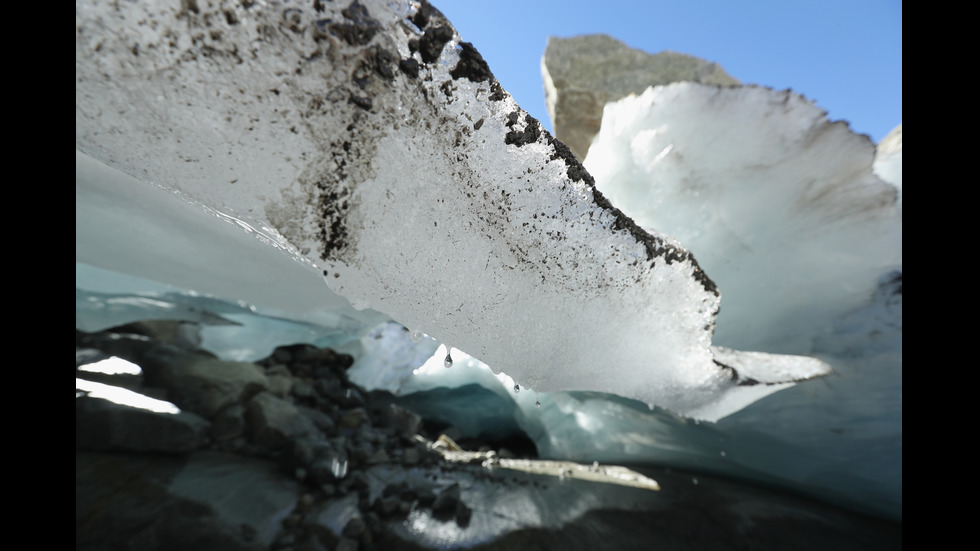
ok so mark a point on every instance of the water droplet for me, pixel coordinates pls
(537, 404)
(449, 359)
(416, 336)
(695, 481)
(338, 466)
(723, 453)
(517, 388)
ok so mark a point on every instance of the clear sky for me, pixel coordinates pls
(846, 55)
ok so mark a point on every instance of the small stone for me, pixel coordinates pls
(446, 503)
(410, 456)
(354, 418)
(273, 422)
(463, 515)
(410, 67)
(404, 421)
(280, 380)
(303, 452)
(352, 398)
(432, 41)
(282, 355)
(229, 423)
(328, 387)
(249, 533)
(278, 369)
(354, 528)
(387, 506)
(302, 389)
(285, 540)
(306, 353)
(426, 498)
(305, 502)
(379, 456)
(320, 419)
(292, 520)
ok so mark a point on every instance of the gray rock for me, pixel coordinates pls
(404, 421)
(229, 423)
(378, 456)
(207, 500)
(282, 355)
(302, 389)
(328, 388)
(410, 456)
(354, 418)
(388, 506)
(280, 380)
(304, 452)
(349, 398)
(273, 421)
(355, 528)
(103, 425)
(202, 384)
(223, 501)
(446, 503)
(185, 334)
(584, 73)
(322, 421)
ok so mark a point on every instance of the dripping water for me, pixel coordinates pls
(449, 359)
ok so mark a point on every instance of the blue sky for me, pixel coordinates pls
(846, 55)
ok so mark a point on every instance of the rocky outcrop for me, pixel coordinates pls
(102, 424)
(584, 73)
(334, 467)
(237, 470)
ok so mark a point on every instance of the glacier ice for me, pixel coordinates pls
(799, 220)
(409, 196)
(719, 168)
(430, 197)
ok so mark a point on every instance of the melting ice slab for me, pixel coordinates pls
(383, 149)
(794, 216)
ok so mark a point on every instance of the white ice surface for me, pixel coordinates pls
(781, 206)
